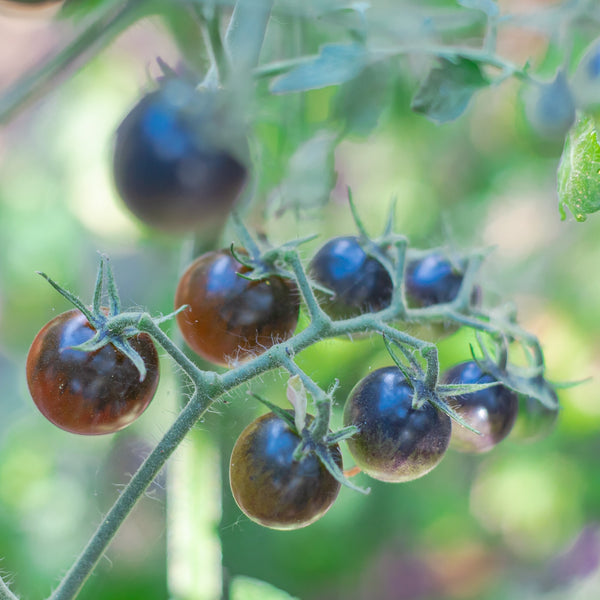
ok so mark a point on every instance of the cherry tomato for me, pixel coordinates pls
(491, 411)
(360, 282)
(177, 160)
(88, 392)
(534, 419)
(230, 318)
(395, 442)
(431, 280)
(272, 488)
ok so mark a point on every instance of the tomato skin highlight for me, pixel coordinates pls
(395, 442)
(360, 282)
(88, 393)
(492, 411)
(431, 280)
(273, 489)
(230, 318)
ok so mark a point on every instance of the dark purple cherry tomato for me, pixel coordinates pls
(177, 159)
(395, 442)
(431, 280)
(88, 392)
(230, 318)
(534, 419)
(360, 282)
(491, 411)
(272, 488)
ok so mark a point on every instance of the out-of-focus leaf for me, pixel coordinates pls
(489, 7)
(579, 171)
(246, 588)
(310, 175)
(360, 102)
(446, 91)
(335, 64)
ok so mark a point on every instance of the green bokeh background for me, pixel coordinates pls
(490, 527)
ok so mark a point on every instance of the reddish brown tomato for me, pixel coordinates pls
(230, 318)
(272, 488)
(88, 392)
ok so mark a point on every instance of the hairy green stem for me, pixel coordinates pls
(197, 376)
(314, 309)
(246, 32)
(80, 571)
(92, 38)
(5, 593)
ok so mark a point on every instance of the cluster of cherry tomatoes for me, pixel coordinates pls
(228, 318)
(178, 166)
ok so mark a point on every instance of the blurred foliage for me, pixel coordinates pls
(488, 528)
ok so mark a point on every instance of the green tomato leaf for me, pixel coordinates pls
(247, 588)
(335, 64)
(579, 171)
(310, 175)
(489, 7)
(446, 91)
(360, 102)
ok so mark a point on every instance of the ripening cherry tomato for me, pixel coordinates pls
(491, 411)
(432, 279)
(178, 159)
(360, 282)
(272, 488)
(230, 318)
(395, 442)
(534, 419)
(88, 392)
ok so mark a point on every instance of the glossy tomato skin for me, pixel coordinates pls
(491, 411)
(177, 163)
(360, 282)
(230, 318)
(430, 280)
(395, 442)
(89, 393)
(273, 489)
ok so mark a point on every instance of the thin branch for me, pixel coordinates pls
(91, 39)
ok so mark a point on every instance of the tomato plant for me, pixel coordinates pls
(260, 115)
(83, 392)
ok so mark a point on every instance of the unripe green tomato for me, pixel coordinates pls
(534, 419)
